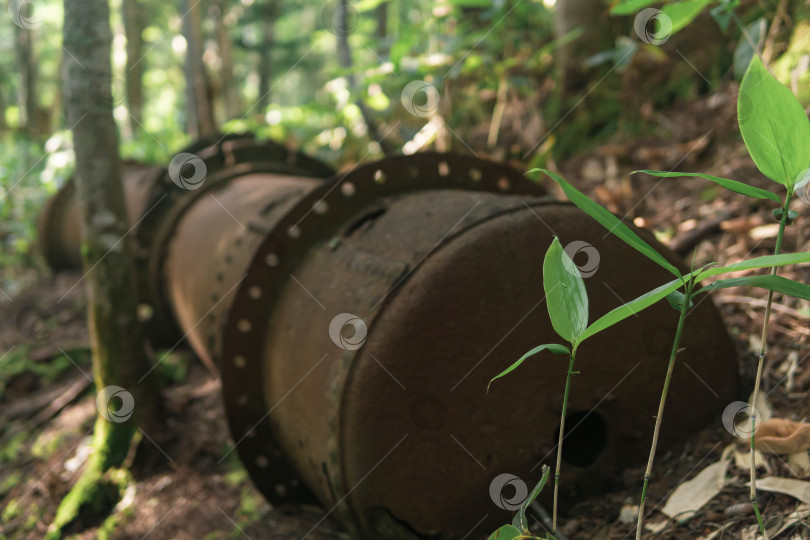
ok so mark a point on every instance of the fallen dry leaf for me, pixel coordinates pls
(783, 436)
(789, 486)
(690, 496)
(742, 459)
(799, 464)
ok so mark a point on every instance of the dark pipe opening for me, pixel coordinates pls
(585, 437)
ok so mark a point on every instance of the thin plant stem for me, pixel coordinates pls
(687, 298)
(560, 441)
(762, 351)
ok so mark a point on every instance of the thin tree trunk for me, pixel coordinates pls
(27, 65)
(230, 90)
(342, 31)
(133, 15)
(119, 356)
(382, 21)
(200, 115)
(266, 53)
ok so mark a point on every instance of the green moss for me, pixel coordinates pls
(31, 521)
(49, 442)
(250, 505)
(89, 502)
(107, 529)
(9, 482)
(236, 477)
(173, 366)
(11, 510)
(96, 493)
(11, 450)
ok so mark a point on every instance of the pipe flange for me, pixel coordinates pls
(312, 220)
(50, 227)
(229, 157)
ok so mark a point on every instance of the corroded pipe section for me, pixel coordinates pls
(362, 339)
(356, 322)
(59, 225)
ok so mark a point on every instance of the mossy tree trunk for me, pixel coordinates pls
(133, 13)
(119, 356)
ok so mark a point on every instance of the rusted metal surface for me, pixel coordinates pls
(59, 224)
(398, 437)
(436, 260)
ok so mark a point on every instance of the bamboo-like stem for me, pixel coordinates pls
(687, 298)
(560, 441)
(762, 351)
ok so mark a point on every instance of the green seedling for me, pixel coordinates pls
(689, 283)
(776, 133)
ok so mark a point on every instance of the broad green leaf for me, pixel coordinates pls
(731, 185)
(632, 307)
(682, 13)
(774, 126)
(610, 222)
(552, 347)
(772, 283)
(520, 518)
(630, 7)
(507, 532)
(757, 262)
(566, 298)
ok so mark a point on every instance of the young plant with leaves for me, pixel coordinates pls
(679, 300)
(567, 303)
(519, 529)
(776, 133)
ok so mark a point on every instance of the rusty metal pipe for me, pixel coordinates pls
(356, 323)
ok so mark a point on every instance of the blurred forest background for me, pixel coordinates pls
(499, 79)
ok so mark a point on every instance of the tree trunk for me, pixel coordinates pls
(230, 90)
(27, 65)
(342, 30)
(382, 28)
(133, 15)
(598, 31)
(266, 53)
(200, 115)
(119, 356)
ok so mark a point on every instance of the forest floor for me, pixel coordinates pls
(193, 494)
